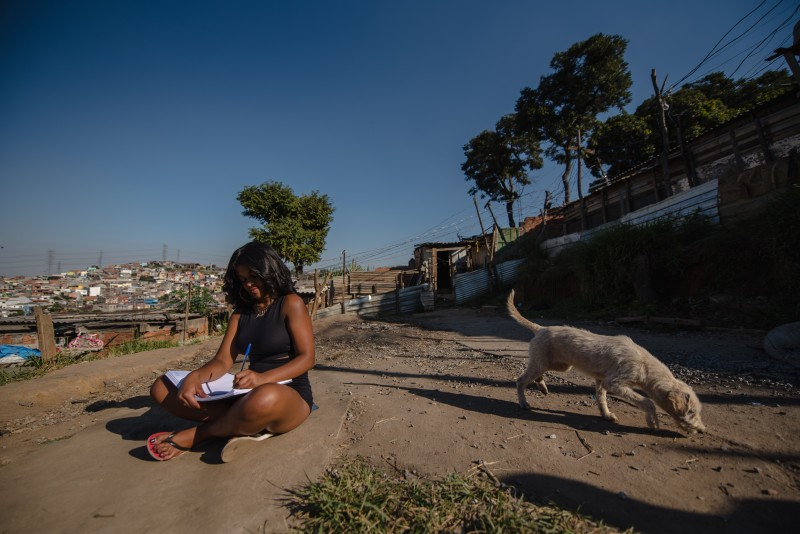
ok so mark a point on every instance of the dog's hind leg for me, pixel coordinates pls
(641, 402)
(531, 374)
(602, 402)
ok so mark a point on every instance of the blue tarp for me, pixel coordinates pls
(19, 351)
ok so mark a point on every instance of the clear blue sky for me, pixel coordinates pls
(127, 128)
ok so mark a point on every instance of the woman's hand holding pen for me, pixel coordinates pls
(246, 379)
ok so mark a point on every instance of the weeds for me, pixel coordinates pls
(36, 367)
(745, 275)
(356, 497)
(140, 345)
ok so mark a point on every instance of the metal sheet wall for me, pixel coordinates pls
(701, 199)
(475, 284)
(382, 304)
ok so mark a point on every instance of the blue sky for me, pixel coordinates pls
(127, 128)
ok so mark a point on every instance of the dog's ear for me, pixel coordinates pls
(679, 401)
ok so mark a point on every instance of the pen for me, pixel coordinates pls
(246, 354)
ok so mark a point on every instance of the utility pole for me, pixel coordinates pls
(491, 211)
(579, 156)
(483, 231)
(545, 208)
(662, 124)
(584, 221)
(790, 52)
(186, 315)
(344, 269)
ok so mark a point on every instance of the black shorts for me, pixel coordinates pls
(300, 384)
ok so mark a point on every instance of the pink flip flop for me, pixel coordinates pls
(153, 440)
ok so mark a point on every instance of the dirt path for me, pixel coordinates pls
(427, 396)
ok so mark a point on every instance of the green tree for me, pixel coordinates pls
(202, 301)
(621, 142)
(590, 78)
(625, 141)
(295, 226)
(497, 162)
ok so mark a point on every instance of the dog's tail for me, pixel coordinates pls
(514, 313)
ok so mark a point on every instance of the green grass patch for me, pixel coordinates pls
(745, 275)
(140, 345)
(357, 497)
(36, 367)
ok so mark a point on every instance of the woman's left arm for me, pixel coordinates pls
(298, 324)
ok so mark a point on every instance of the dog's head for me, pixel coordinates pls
(684, 406)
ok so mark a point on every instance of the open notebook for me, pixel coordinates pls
(221, 388)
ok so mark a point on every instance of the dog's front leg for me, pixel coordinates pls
(602, 402)
(641, 402)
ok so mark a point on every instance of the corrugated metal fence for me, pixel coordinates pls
(475, 284)
(411, 299)
(702, 200)
(466, 287)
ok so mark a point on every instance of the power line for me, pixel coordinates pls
(713, 50)
(749, 51)
(765, 41)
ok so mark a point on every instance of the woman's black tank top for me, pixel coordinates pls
(267, 336)
(270, 345)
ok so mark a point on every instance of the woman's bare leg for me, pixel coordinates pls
(165, 394)
(272, 407)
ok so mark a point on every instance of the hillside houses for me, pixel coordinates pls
(116, 288)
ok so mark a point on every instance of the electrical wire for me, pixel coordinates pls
(713, 50)
(765, 41)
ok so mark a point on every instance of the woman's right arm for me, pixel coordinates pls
(216, 367)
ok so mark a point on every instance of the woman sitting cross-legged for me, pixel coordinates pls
(273, 320)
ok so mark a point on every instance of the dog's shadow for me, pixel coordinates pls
(140, 427)
(511, 410)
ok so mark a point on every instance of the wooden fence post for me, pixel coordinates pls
(397, 297)
(186, 314)
(45, 334)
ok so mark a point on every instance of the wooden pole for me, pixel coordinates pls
(489, 250)
(344, 269)
(316, 293)
(491, 211)
(662, 124)
(317, 289)
(483, 230)
(584, 218)
(545, 208)
(186, 314)
(45, 334)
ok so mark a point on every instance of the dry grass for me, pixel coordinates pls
(357, 497)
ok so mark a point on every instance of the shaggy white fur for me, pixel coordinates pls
(615, 362)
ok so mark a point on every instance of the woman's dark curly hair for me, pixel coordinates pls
(262, 260)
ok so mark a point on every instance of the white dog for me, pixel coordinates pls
(615, 362)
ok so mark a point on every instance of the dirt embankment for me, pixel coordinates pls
(425, 394)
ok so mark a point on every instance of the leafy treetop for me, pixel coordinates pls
(295, 226)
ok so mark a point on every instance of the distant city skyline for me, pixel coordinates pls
(129, 127)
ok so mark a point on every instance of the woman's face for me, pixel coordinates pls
(254, 285)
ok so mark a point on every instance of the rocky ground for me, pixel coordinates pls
(432, 393)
